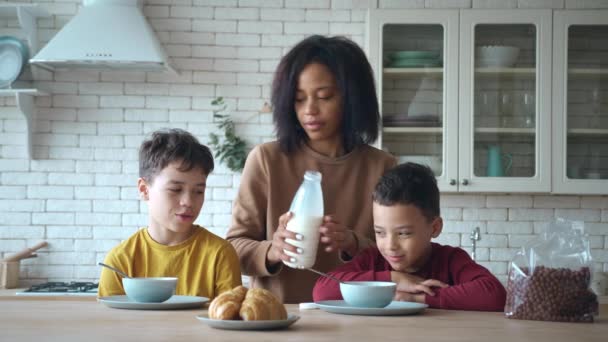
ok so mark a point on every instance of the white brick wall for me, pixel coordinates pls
(80, 193)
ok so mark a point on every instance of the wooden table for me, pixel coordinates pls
(83, 319)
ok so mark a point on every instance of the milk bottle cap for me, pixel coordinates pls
(313, 175)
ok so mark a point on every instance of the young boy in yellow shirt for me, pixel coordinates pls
(406, 217)
(173, 170)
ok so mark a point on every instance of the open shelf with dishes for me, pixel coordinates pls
(25, 15)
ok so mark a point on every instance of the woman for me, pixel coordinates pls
(325, 114)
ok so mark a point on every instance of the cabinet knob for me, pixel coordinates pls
(452, 182)
(465, 182)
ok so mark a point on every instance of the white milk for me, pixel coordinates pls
(307, 210)
(308, 227)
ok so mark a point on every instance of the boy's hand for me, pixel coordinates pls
(276, 252)
(414, 284)
(409, 297)
(337, 237)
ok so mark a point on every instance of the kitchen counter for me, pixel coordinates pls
(12, 294)
(83, 319)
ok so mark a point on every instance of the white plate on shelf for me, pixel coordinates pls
(13, 56)
(248, 325)
(173, 303)
(395, 308)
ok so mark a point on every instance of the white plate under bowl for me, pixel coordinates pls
(248, 325)
(173, 303)
(395, 308)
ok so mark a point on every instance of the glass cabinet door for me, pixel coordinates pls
(587, 122)
(412, 93)
(414, 54)
(504, 121)
(504, 114)
(581, 137)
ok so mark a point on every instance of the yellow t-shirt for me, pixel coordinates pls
(205, 264)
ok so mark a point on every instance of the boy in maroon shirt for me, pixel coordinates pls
(406, 218)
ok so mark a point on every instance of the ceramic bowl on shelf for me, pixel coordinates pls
(496, 55)
(13, 57)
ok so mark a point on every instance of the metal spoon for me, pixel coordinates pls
(123, 274)
(326, 275)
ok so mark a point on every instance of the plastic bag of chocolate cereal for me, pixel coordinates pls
(549, 278)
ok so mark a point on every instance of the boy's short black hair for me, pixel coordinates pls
(409, 184)
(172, 145)
(354, 79)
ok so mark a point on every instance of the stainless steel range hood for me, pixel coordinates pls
(105, 35)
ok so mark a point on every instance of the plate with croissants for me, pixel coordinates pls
(247, 309)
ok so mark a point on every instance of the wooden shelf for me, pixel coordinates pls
(403, 72)
(500, 130)
(505, 73)
(25, 91)
(509, 71)
(588, 72)
(413, 130)
(588, 131)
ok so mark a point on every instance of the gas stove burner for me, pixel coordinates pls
(64, 287)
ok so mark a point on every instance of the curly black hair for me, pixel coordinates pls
(355, 81)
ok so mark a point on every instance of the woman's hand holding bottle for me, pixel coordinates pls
(276, 253)
(337, 237)
(333, 234)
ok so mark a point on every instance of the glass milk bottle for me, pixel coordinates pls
(307, 215)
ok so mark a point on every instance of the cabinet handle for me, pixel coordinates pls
(452, 182)
(465, 182)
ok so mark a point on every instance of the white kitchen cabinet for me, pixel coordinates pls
(25, 16)
(459, 111)
(580, 102)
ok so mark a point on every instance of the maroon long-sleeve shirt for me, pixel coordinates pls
(472, 286)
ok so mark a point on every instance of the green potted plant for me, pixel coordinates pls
(229, 149)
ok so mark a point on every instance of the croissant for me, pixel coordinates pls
(262, 305)
(249, 305)
(227, 305)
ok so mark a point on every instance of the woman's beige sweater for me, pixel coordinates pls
(269, 182)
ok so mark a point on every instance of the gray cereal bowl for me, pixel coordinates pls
(368, 294)
(149, 290)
